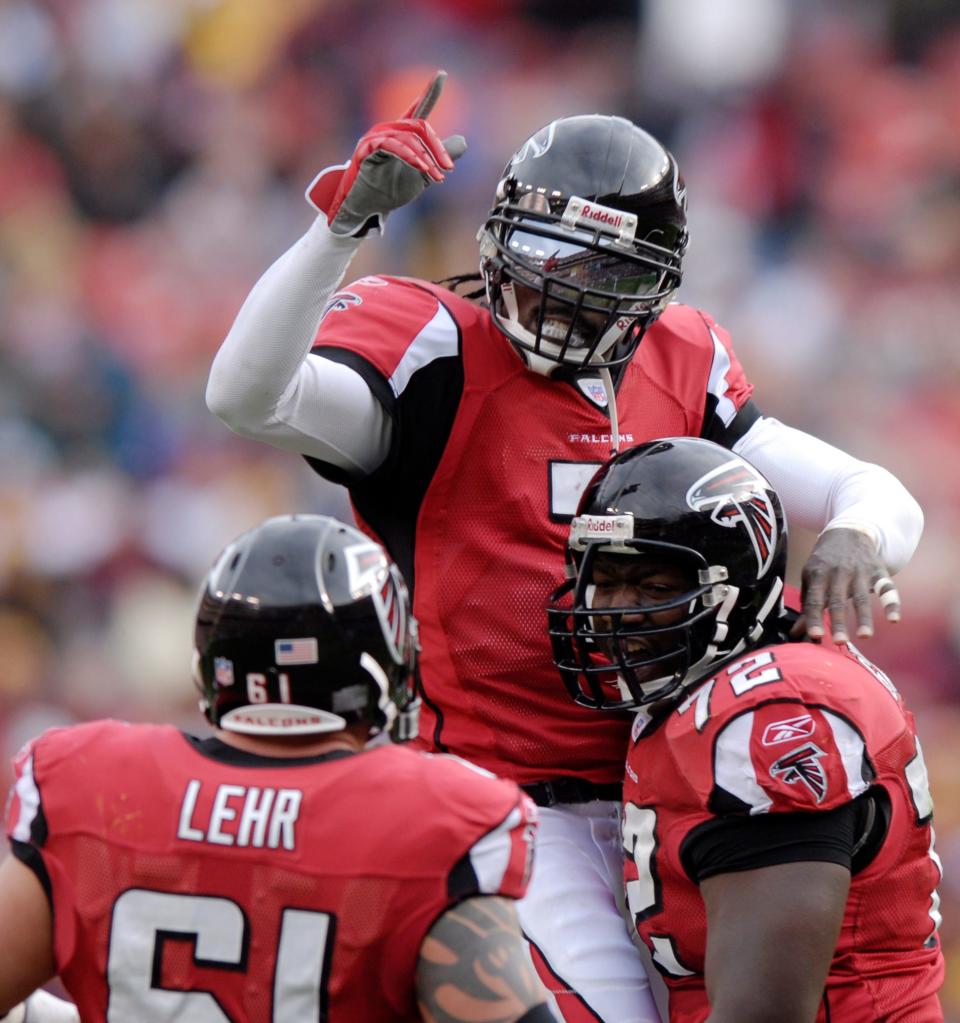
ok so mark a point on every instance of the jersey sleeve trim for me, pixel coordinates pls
(727, 434)
(379, 387)
(371, 375)
(494, 857)
(30, 825)
(717, 385)
(734, 772)
(726, 845)
(30, 856)
(737, 787)
(438, 339)
(500, 861)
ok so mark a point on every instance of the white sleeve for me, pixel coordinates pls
(265, 385)
(823, 487)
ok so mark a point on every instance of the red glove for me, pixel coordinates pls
(392, 164)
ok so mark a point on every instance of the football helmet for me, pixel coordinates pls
(590, 217)
(304, 626)
(697, 507)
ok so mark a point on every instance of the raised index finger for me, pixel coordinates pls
(426, 102)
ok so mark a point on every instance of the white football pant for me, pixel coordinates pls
(571, 916)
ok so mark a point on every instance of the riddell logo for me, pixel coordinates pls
(601, 214)
(581, 211)
(599, 525)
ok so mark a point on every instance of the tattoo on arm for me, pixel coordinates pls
(474, 966)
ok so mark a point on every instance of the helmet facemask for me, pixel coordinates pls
(620, 656)
(680, 504)
(571, 291)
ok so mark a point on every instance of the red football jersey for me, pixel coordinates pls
(792, 727)
(190, 880)
(475, 499)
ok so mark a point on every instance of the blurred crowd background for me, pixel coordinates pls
(153, 156)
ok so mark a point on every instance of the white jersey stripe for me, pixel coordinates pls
(490, 856)
(29, 796)
(439, 338)
(850, 745)
(718, 385)
(665, 954)
(733, 765)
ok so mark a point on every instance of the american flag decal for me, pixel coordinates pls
(300, 650)
(739, 497)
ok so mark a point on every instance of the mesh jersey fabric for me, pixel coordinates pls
(177, 878)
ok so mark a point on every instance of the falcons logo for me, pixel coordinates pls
(739, 497)
(340, 303)
(803, 765)
(370, 574)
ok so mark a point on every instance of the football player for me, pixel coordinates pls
(777, 820)
(278, 870)
(466, 427)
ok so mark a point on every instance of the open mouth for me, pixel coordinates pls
(630, 648)
(557, 330)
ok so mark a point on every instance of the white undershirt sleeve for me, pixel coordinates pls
(265, 385)
(823, 487)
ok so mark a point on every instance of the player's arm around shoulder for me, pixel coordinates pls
(474, 966)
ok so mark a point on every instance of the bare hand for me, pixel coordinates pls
(844, 567)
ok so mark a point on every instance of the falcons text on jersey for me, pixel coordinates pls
(475, 499)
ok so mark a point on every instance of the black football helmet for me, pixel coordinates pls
(304, 626)
(591, 215)
(697, 507)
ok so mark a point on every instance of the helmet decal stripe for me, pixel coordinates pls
(537, 145)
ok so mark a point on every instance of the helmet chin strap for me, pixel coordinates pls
(607, 380)
(546, 367)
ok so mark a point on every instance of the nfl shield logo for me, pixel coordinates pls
(223, 671)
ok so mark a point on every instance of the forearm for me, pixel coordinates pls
(824, 487)
(475, 956)
(264, 384)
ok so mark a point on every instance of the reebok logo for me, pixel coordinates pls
(787, 730)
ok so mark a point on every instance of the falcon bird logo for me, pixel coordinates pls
(802, 766)
(739, 497)
(370, 574)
